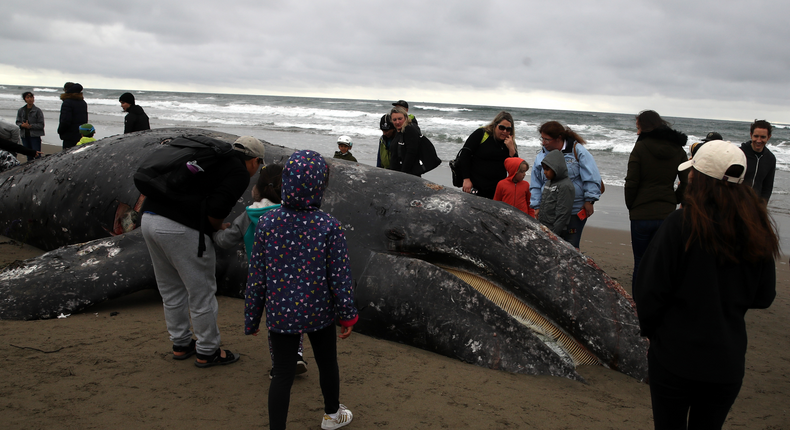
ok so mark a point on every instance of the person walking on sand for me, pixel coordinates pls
(761, 162)
(136, 119)
(30, 120)
(300, 275)
(73, 113)
(710, 262)
(186, 278)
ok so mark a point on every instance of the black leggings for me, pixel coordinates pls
(681, 403)
(285, 348)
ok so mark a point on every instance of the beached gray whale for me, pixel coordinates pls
(448, 272)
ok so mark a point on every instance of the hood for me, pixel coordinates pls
(305, 177)
(511, 165)
(662, 143)
(556, 161)
(255, 210)
(72, 96)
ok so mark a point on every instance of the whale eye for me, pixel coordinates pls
(393, 234)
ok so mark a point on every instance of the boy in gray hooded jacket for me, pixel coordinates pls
(556, 200)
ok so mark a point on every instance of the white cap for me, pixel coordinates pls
(345, 140)
(250, 146)
(714, 158)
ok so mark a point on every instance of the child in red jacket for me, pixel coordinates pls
(514, 190)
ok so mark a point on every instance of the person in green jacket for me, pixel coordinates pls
(344, 145)
(650, 193)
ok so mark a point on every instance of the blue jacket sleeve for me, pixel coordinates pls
(255, 295)
(536, 182)
(591, 177)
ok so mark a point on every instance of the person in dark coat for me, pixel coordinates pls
(136, 119)
(650, 193)
(708, 264)
(482, 159)
(73, 113)
(405, 145)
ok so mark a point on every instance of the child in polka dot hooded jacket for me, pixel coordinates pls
(300, 274)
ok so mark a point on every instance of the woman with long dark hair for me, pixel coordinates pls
(650, 193)
(709, 262)
(482, 159)
(582, 171)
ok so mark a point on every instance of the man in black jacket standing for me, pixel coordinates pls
(760, 161)
(136, 119)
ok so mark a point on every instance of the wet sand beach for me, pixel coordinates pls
(97, 371)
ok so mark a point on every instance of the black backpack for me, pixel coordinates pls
(428, 158)
(173, 172)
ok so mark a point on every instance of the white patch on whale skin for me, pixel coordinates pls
(474, 345)
(113, 252)
(433, 203)
(91, 262)
(21, 272)
(89, 249)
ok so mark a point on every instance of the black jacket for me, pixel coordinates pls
(760, 170)
(224, 185)
(692, 307)
(73, 113)
(136, 120)
(405, 149)
(652, 168)
(484, 163)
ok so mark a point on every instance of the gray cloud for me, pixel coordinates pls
(694, 49)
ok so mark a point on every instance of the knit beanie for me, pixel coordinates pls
(127, 98)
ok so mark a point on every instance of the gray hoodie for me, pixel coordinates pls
(556, 201)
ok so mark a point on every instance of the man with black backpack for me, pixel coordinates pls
(178, 218)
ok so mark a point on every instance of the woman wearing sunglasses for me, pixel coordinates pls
(481, 161)
(582, 171)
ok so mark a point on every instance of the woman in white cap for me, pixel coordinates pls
(709, 263)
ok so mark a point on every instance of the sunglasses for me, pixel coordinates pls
(503, 128)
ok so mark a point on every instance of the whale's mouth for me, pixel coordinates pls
(552, 335)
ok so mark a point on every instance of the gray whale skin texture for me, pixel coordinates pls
(408, 240)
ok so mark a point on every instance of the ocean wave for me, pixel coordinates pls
(442, 109)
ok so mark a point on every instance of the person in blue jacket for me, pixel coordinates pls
(300, 274)
(582, 171)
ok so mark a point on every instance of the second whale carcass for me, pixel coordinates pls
(444, 271)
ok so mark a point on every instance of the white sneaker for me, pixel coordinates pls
(342, 417)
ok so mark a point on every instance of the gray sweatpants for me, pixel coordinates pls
(187, 283)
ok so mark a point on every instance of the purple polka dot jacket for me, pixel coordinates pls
(299, 270)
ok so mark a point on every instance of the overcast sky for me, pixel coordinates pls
(692, 58)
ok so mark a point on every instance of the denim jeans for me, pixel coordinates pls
(573, 232)
(642, 232)
(33, 143)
